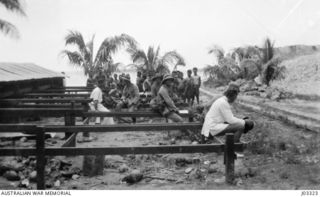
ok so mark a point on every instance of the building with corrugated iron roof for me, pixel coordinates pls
(17, 79)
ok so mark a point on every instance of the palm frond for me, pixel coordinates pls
(217, 51)
(239, 51)
(162, 69)
(89, 51)
(14, 6)
(9, 29)
(152, 58)
(137, 55)
(173, 58)
(129, 40)
(111, 45)
(75, 38)
(268, 50)
(74, 58)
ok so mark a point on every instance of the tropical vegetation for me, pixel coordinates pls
(152, 62)
(249, 62)
(83, 56)
(13, 6)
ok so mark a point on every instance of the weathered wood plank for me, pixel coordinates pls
(57, 95)
(128, 114)
(41, 160)
(42, 112)
(79, 112)
(229, 157)
(64, 90)
(123, 128)
(40, 105)
(76, 87)
(136, 150)
(19, 128)
(46, 100)
(18, 152)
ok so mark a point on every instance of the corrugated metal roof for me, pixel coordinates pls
(24, 71)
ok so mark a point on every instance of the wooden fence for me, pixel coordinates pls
(41, 151)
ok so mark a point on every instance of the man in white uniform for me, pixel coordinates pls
(95, 105)
(220, 120)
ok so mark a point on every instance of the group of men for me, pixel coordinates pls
(218, 120)
(185, 89)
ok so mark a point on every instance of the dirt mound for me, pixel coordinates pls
(302, 75)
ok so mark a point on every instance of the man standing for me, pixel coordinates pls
(220, 120)
(139, 81)
(115, 79)
(130, 95)
(197, 83)
(165, 94)
(147, 83)
(189, 88)
(95, 105)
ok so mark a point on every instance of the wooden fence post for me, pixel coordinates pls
(70, 120)
(41, 162)
(229, 158)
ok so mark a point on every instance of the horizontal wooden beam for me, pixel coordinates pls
(40, 105)
(56, 95)
(42, 112)
(19, 128)
(123, 128)
(78, 111)
(77, 87)
(46, 100)
(17, 151)
(135, 150)
(202, 148)
(64, 90)
(135, 114)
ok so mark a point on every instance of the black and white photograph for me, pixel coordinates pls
(219, 95)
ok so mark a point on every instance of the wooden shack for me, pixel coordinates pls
(17, 79)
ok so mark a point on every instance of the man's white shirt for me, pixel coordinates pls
(219, 117)
(96, 94)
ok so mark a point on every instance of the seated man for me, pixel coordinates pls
(130, 95)
(156, 84)
(165, 94)
(220, 120)
(95, 105)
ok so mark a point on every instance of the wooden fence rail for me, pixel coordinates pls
(41, 151)
(56, 95)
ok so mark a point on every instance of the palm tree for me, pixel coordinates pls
(247, 52)
(218, 52)
(84, 54)
(152, 62)
(226, 69)
(6, 27)
(269, 65)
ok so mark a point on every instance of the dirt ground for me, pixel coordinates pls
(278, 156)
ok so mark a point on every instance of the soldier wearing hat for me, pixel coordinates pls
(165, 96)
(130, 95)
(156, 84)
(220, 120)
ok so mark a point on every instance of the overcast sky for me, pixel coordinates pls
(188, 26)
